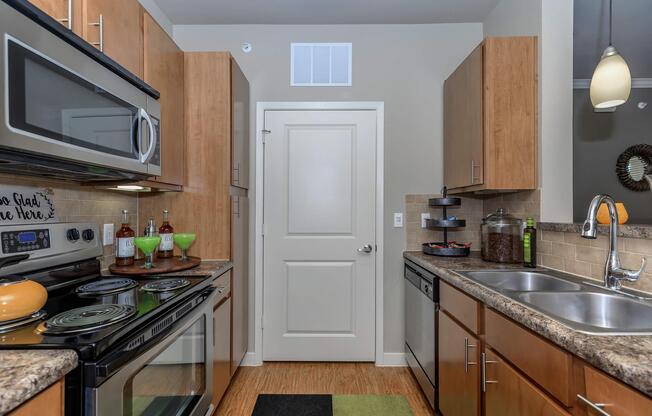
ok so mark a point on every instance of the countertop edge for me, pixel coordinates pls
(584, 346)
(33, 372)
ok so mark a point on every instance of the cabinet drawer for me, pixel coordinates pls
(549, 366)
(618, 398)
(508, 393)
(48, 402)
(462, 307)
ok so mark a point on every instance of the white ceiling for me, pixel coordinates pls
(204, 12)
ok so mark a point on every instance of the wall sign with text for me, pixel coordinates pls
(25, 205)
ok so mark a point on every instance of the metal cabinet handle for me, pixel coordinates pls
(484, 372)
(598, 407)
(236, 206)
(467, 363)
(473, 177)
(366, 249)
(100, 25)
(68, 20)
(236, 173)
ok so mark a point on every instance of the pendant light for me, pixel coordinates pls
(611, 82)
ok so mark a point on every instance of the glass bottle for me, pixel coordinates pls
(530, 244)
(124, 242)
(166, 232)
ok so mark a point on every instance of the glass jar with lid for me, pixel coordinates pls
(502, 238)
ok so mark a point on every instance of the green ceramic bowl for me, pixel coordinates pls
(184, 240)
(147, 244)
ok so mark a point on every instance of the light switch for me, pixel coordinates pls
(398, 219)
(424, 217)
(107, 234)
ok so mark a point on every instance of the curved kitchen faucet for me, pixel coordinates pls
(614, 274)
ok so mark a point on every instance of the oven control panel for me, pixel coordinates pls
(25, 240)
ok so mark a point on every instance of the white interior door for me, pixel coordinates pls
(319, 213)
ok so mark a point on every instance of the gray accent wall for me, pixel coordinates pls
(598, 140)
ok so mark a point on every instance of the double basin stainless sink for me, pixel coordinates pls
(578, 304)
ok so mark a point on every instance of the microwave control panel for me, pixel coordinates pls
(25, 240)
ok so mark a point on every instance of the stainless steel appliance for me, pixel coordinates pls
(145, 346)
(67, 116)
(421, 305)
(222, 337)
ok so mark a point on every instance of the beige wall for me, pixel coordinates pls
(76, 203)
(402, 65)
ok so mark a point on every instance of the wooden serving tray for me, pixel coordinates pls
(167, 265)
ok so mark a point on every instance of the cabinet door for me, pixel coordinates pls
(222, 350)
(459, 369)
(64, 11)
(616, 398)
(507, 393)
(239, 127)
(240, 286)
(463, 124)
(48, 402)
(163, 70)
(120, 34)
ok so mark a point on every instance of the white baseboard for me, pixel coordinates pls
(393, 359)
(251, 360)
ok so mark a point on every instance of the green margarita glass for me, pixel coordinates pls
(184, 241)
(147, 245)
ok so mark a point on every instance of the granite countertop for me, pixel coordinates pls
(627, 358)
(643, 231)
(24, 373)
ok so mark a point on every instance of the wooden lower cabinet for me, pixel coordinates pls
(49, 402)
(617, 399)
(459, 369)
(508, 393)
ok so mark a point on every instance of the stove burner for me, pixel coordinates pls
(87, 318)
(16, 323)
(106, 286)
(165, 285)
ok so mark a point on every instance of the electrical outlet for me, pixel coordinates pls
(398, 219)
(107, 234)
(424, 217)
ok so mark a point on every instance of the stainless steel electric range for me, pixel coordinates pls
(145, 346)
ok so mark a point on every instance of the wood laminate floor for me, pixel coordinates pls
(319, 378)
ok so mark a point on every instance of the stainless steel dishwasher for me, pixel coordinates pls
(421, 304)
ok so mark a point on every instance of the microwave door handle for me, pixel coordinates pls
(145, 157)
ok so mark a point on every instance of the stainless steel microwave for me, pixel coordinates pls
(67, 116)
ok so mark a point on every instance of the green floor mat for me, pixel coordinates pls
(370, 405)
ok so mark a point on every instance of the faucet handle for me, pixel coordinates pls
(630, 275)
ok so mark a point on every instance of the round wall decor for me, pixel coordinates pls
(634, 167)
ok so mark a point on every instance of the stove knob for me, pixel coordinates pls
(88, 235)
(72, 234)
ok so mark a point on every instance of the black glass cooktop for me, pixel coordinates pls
(137, 306)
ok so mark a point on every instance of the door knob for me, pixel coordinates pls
(366, 249)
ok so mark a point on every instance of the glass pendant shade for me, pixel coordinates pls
(611, 82)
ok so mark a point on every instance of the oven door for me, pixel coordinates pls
(174, 377)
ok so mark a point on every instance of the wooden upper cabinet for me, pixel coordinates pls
(459, 369)
(463, 154)
(239, 127)
(508, 393)
(164, 70)
(67, 12)
(490, 118)
(120, 34)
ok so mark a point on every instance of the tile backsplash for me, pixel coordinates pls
(571, 253)
(78, 203)
(565, 251)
